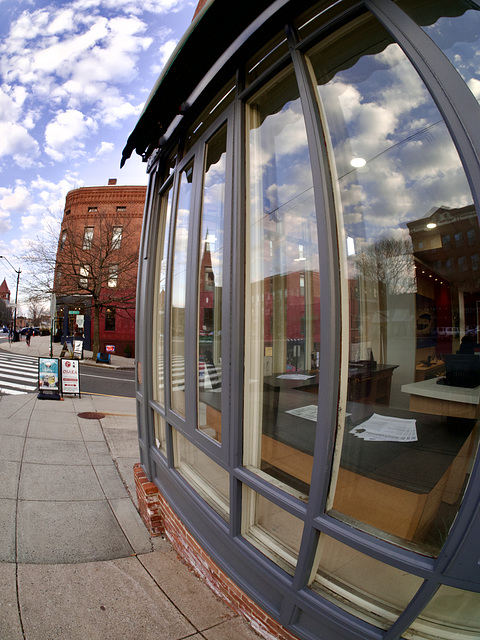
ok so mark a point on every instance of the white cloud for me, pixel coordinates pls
(64, 135)
(29, 222)
(104, 148)
(164, 51)
(17, 142)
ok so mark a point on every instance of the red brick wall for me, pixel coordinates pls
(160, 518)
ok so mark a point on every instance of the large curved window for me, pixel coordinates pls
(409, 239)
(210, 284)
(282, 301)
(179, 286)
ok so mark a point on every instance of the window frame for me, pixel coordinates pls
(88, 233)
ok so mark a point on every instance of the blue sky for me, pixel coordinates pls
(74, 78)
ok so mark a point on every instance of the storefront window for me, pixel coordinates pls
(452, 614)
(272, 530)
(282, 304)
(210, 283)
(208, 478)
(179, 283)
(160, 288)
(160, 437)
(361, 585)
(409, 405)
(457, 34)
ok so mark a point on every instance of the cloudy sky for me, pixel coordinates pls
(74, 78)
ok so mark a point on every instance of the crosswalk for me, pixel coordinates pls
(18, 374)
(209, 375)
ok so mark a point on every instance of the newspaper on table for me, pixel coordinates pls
(384, 428)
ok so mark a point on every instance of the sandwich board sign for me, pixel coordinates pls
(70, 376)
(48, 379)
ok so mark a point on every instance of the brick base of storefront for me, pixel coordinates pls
(160, 519)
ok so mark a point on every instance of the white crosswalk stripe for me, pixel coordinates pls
(18, 373)
(209, 375)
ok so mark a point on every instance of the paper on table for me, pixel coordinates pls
(309, 412)
(294, 376)
(387, 429)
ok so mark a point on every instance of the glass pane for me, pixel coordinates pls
(210, 289)
(160, 437)
(321, 13)
(452, 614)
(271, 529)
(220, 102)
(179, 284)
(265, 57)
(208, 478)
(159, 307)
(455, 29)
(361, 585)
(399, 186)
(282, 291)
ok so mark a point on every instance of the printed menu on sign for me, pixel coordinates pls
(70, 376)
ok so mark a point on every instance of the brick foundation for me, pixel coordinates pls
(160, 518)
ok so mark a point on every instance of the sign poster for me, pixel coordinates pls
(48, 374)
(77, 349)
(70, 376)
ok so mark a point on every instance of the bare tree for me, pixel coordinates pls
(388, 261)
(101, 266)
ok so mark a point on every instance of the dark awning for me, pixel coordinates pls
(213, 30)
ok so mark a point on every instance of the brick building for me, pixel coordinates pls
(96, 266)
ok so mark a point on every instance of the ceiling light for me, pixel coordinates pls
(358, 162)
(431, 225)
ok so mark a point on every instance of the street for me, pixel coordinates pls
(115, 382)
(19, 374)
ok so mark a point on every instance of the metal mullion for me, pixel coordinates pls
(191, 300)
(237, 311)
(227, 291)
(330, 312)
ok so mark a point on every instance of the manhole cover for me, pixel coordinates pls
(91, 415)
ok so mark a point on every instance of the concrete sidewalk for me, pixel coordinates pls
(76, 561)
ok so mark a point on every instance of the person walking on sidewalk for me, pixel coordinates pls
(29, 336)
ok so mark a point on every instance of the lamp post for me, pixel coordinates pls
(16, 294)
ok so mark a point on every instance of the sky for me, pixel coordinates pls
(74, 77)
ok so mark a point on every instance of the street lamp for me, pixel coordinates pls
(16, 294)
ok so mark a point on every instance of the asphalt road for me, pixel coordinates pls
(117, 382)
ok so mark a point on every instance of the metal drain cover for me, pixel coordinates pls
(91, 415)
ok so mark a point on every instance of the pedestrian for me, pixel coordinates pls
(28, 337)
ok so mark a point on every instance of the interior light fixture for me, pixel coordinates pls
(358, 162)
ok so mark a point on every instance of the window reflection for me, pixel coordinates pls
(210, 288)
(179, 283)
(161, 275)
(455, 29)
(282, 291)
(209, 479)
(341, 570)
(452, 613)
(400, 193)
(276, 533)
